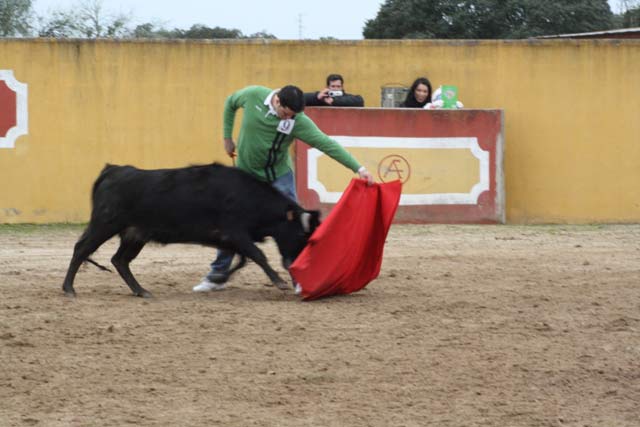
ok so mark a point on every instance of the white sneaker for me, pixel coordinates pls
(298, 289)
(207, 286)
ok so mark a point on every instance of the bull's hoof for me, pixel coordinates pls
(282, 285)
(144, 294)
(69, 294)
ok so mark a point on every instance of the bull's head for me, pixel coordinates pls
(292, 235)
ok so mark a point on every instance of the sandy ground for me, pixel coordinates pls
(466, 326)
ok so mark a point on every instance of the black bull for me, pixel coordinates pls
(211, 205)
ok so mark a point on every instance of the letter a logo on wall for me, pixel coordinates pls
(394, 167)
(13, 109)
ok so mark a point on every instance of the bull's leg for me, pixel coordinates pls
(128, 250)
(246, 247)
(90, 240)
(241, 263)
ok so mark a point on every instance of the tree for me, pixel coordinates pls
(261, 35)
(15, 17)
(197, 31)
(145, 31)
(87, 20)
(154, 31)
(399, 19)
(571, 16)
(484, 19)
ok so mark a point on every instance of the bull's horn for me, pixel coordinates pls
(305, 219)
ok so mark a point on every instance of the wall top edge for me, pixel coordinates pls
(370, 42)
(412, 110)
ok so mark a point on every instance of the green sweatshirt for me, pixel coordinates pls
(262, 150)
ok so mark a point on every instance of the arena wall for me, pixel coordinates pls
(571, 111)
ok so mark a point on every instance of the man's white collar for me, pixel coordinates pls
(269, 104)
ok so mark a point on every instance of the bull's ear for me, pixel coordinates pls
(290, 215)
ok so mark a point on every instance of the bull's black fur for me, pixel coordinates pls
(211, 205)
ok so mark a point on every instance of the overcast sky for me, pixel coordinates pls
(285, 19)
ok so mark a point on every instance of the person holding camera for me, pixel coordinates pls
(333, 95)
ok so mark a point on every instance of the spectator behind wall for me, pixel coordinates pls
(419, 94)
(333, 95)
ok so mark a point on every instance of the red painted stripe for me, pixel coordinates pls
(8, 115)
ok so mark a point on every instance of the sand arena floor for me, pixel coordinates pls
(466, 326)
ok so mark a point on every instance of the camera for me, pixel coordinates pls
(334, 93)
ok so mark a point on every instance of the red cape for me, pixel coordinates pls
(345, 252)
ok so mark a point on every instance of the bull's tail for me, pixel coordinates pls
(101, 267)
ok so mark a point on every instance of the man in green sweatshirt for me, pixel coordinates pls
(272, 120)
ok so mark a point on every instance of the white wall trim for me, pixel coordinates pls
(470, 143)
(22, 110)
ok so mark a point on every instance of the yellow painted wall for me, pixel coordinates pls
(572, 112)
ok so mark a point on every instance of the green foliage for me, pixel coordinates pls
(399, 19)
(197, 31)
(486, 19)
(261, 35)
(15, 17)
(570, 16)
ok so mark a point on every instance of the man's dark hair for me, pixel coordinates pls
(292, 98)
(332, 77)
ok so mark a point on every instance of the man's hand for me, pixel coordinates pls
(230, 147)
(323, 96)
(364, 174)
